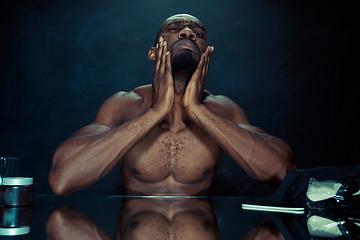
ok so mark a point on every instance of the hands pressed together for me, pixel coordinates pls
(163, 82)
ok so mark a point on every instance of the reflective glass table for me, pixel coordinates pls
(119, 217)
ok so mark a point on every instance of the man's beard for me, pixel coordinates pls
(184, 62)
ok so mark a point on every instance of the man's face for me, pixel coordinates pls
(184, 33)
(186, 38)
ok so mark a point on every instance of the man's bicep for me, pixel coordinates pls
(238, 116)
(107, 118)
(90, 129)
(111, 111)
(242, 121)
(252, 128)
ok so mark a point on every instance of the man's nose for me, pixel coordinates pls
(187, 33)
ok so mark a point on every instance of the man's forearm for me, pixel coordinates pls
(263, 156)
(84, 159)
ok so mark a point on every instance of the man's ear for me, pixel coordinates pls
(151, 54)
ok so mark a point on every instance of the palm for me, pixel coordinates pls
(196, 85)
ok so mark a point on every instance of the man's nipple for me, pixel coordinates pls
(136, 171)
(134, 224)
(206, 171)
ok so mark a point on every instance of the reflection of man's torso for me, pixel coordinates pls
(141, 218)
(170, 162)
(167, 219)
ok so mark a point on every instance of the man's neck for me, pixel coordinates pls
(180, 82)
(177, 119)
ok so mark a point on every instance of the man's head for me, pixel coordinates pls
(186, 38)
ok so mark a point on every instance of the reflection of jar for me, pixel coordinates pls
(16, 191)
(15, 220)
(14, 231)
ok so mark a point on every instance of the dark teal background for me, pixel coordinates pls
(293, 66)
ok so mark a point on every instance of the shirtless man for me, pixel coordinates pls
(167, 137)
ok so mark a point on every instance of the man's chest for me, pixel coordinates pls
(187, 155)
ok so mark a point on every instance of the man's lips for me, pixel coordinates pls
(186, 44)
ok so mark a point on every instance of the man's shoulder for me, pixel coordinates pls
(225, 107)
(122, 106)
(138, 95)
(212, 100)
(144, 91)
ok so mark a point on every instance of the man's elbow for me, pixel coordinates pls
(277, 177)
(273, 177)
(60, 176)
(276, 172)
(58, 185)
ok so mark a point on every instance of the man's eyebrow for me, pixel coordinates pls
(181, 21)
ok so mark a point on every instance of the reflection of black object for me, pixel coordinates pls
(292, 226)
(15, 220)
(345, 196)
(351, 228)
(292, 191)
(346, 221)
(296, 227)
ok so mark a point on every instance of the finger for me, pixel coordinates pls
(168, 70)
(209, 56)
(201, 63)
(207, 53)
(163, 58)
(156, 66)
(159, 52)
(157, 62)
(206, 66)
(208, 60)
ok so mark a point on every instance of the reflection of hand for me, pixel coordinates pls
(163, 84)
(66, 223)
